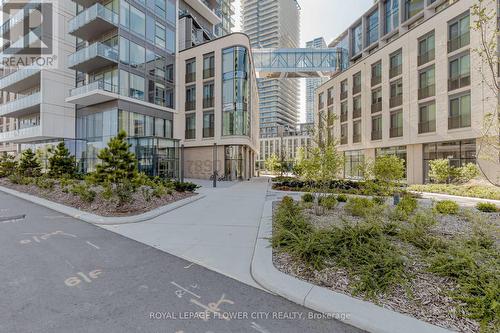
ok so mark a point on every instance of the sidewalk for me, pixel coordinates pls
(217, 232)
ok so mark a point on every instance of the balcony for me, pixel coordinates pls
(377, 107)
(356, 89)
(21, 106)
(459, 42)
(343, 95)
(208, 102)
(395, 101)
(92, 58)
(459, 82)
(459, 121)
(85, 3)
(395, 132)
(376, 80)
(205, 11)
(93, 93)
(356, 113)
(376, 135)
(94, 21)
(20, 80)
(21, 135)
(395, 71)
(426, 92)
(427, 127)
(190, 105)
(426, 57)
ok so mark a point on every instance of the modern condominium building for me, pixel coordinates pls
(412, 88)
(313, 83)
(143, 66)
(274, 24)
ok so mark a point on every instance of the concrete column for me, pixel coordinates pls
(415, 164)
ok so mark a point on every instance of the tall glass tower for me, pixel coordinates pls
(274, 24)
(312, 84)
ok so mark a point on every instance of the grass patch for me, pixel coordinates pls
(447, 207)
(359, 206)
(475, 191)
(486, 207)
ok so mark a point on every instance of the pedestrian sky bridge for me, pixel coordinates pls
(298, 63)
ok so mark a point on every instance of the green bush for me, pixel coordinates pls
(8, 165)
(440, 170)
(379, 200)
(468, 172)
(83, 191)
(417, 231)
(329, 202)
(307, 197)
(44, 182)
(447, 207)
(19, 179)
(342, 198)
(487, 207)
(29, 165)
(475, 191)
(61, 162)
(359, 206)
(185, 186)
(406, 207)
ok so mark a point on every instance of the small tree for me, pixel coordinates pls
(389, 169)
(118, 164)
(62, 162)
(29, 165)
(8, 165)
(298, 165)
(273, 164)
(440, 170)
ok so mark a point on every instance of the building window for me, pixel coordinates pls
(343, 112)
(343, 134)
(190, 126)
(343, 89)
(208, 95)
(458, 33)
(160, 35)
(353, 161)
(208, 66)
(357, 39)
(190, 70)
(377, 128)
(356, 107)
(356, 83)
(458, 153)
(372, 28)
(376, 100)
(376, 73)
(391, 10)
(426, 84)
(136, 87)
(208, 124)
(396, 98)
(459, 115)
(396, 64)
(330, 96)
(190, 98)
(459, 72)
(396, 129)
(427, 118)
(426, 49)
(413, 7)
(137, 21)
(356, 131)
(321, 101)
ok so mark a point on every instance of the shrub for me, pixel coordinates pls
(44, 183)
(83, 191)
(379, 200)
(159, 190)
(287, 200)
(8, 165)
(307, 197)
(475, 191)
(468, 172)
(20, 179)
(29, 165)
(406, 207)
(417, 231)
(61, 162)
(486, 207)
(447, 207)
(329, 202)
(342, 198)
(440, 170)
(185, 186)
(388, 169)
(359, 206)
(124, 192)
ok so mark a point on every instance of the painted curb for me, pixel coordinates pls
(101, 220)
(361, 314)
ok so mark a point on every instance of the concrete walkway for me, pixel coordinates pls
(217, 232)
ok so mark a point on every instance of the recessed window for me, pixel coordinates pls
(391, 10)
(426, 49)
(356, 131)
(459, 72)
(459, 115)
(208, 124)
(376, 100)
(376, 73)
(413, 7)
(396, 98)
(427, 118)
(190, 98)
(376, 128)
(396, 129)
(190, 126)
(395, 64)
(427, 86)
(372, 28)
(458, 33)
(190, 70)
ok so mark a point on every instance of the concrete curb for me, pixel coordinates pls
(101, 220)
(361, 314)
(432, 195)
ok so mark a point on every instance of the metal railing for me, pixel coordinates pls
(20, 103)
(96, 85)
(208, 73)
(92, 13)
(356, 89)
(190, 77)
(343, 140)
(208, 102)
(356, 138)
(208, 132)
(426, 57)
(190, 105)
(330, 100)
(458, 121)
(19, 75)
(395, 101)
(395, 132)
(459, 81)
(428, 91)
(356, 113)
(459, 42)
(343, 116)
(376, 107)
(376, 80)
(427, 127)
(395, 71)
(343, 94)
(93, 51)
(376, 135)
(190, 133)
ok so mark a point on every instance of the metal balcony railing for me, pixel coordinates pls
(395, 71)
(330, 100)
(208, 102)
(208, 73)
(376, 80)
(377, 107)
(208, 132)
(343, 116)
(356, 138)
(458, 121)
(376, 135)
(427, 127)
(190, 105)
(426, 92)
(343, 140)
(343, 94)
(459, 82)
(459, 42)
(356, 113)
(190, 77)
(356, 89)
(190, 133)
(426, 57)
(395, 101)
(395, 132)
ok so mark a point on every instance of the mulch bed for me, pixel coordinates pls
(428, 301)
(99, 206)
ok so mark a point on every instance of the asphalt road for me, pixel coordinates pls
(58, 274)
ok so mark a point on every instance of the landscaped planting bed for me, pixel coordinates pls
(439, 268)
(463, 190)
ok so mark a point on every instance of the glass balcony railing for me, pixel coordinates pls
(16, 18)
(22, 133)
(18, 76)
(91, 14)
(20, 104)
(78, 59)
(96, 85)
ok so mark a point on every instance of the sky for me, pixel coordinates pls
(321, 18)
